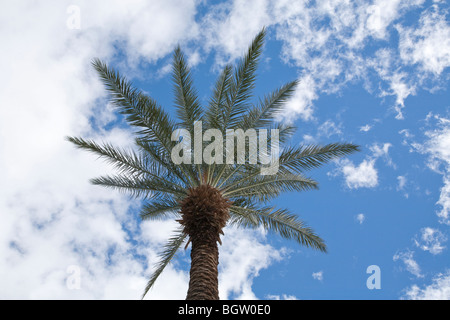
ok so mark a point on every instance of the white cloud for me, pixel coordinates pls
(439, 289)
(282, 297)
(241, 258)
(382, 151)
(411, 265)
(362, 176)
(300, 105)
(318, 275)
(437, 147)
(228, 29)
(444, 201)
(308, 139)
(431, 240)
(380, 16)
(398, 83)
(401, 182)
(325, 130)
(401, 89)
(360, 218)
(365, 128)
(429, 44)
(330, 128)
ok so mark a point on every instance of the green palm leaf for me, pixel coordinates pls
(213, 119)
(242, 84)
(186, 100)
(282, 222)
(160, 209)
(303, 158)
(124, 161)
(265, 188)
(140, 110)
(265, 112)
(170, 249)
(140, 187)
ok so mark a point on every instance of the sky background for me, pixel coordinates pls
(374, 73)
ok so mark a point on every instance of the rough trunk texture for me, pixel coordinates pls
(204, 282)
(204, 214)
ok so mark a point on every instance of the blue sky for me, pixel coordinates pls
(374, 73)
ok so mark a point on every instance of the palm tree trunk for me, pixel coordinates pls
(204, 213)
(204, 283)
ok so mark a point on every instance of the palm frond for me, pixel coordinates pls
(266, 187)
(140, 187)
(124, 161)
(182, 172)
(243, 83)
(160, 209)
(293, 160)
(186, 100)
(213, 115)
(170, 249)
(264, 113)
(227, 172)
(139, 109)
(303, 158)
(282, 222)
(241, 218)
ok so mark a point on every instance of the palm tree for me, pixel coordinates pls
(204, 198)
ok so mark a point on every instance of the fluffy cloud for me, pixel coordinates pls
(439, 289)
(360, 217)
(437, 147)
(444, 201)
(54, 218)
(282, 297)
(318, 275)
(310, 33)
(401, 182)
(411, 265)
(325, 130)
(382, 151)
(431, 240)
(365, 128)
(227, 28)
(362, 176)
(429, 44)
(301, 103)
(241, 258)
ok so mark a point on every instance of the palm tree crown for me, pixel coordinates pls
(205, 197)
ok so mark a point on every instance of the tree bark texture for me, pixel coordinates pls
(204, 213)
(203, 281)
